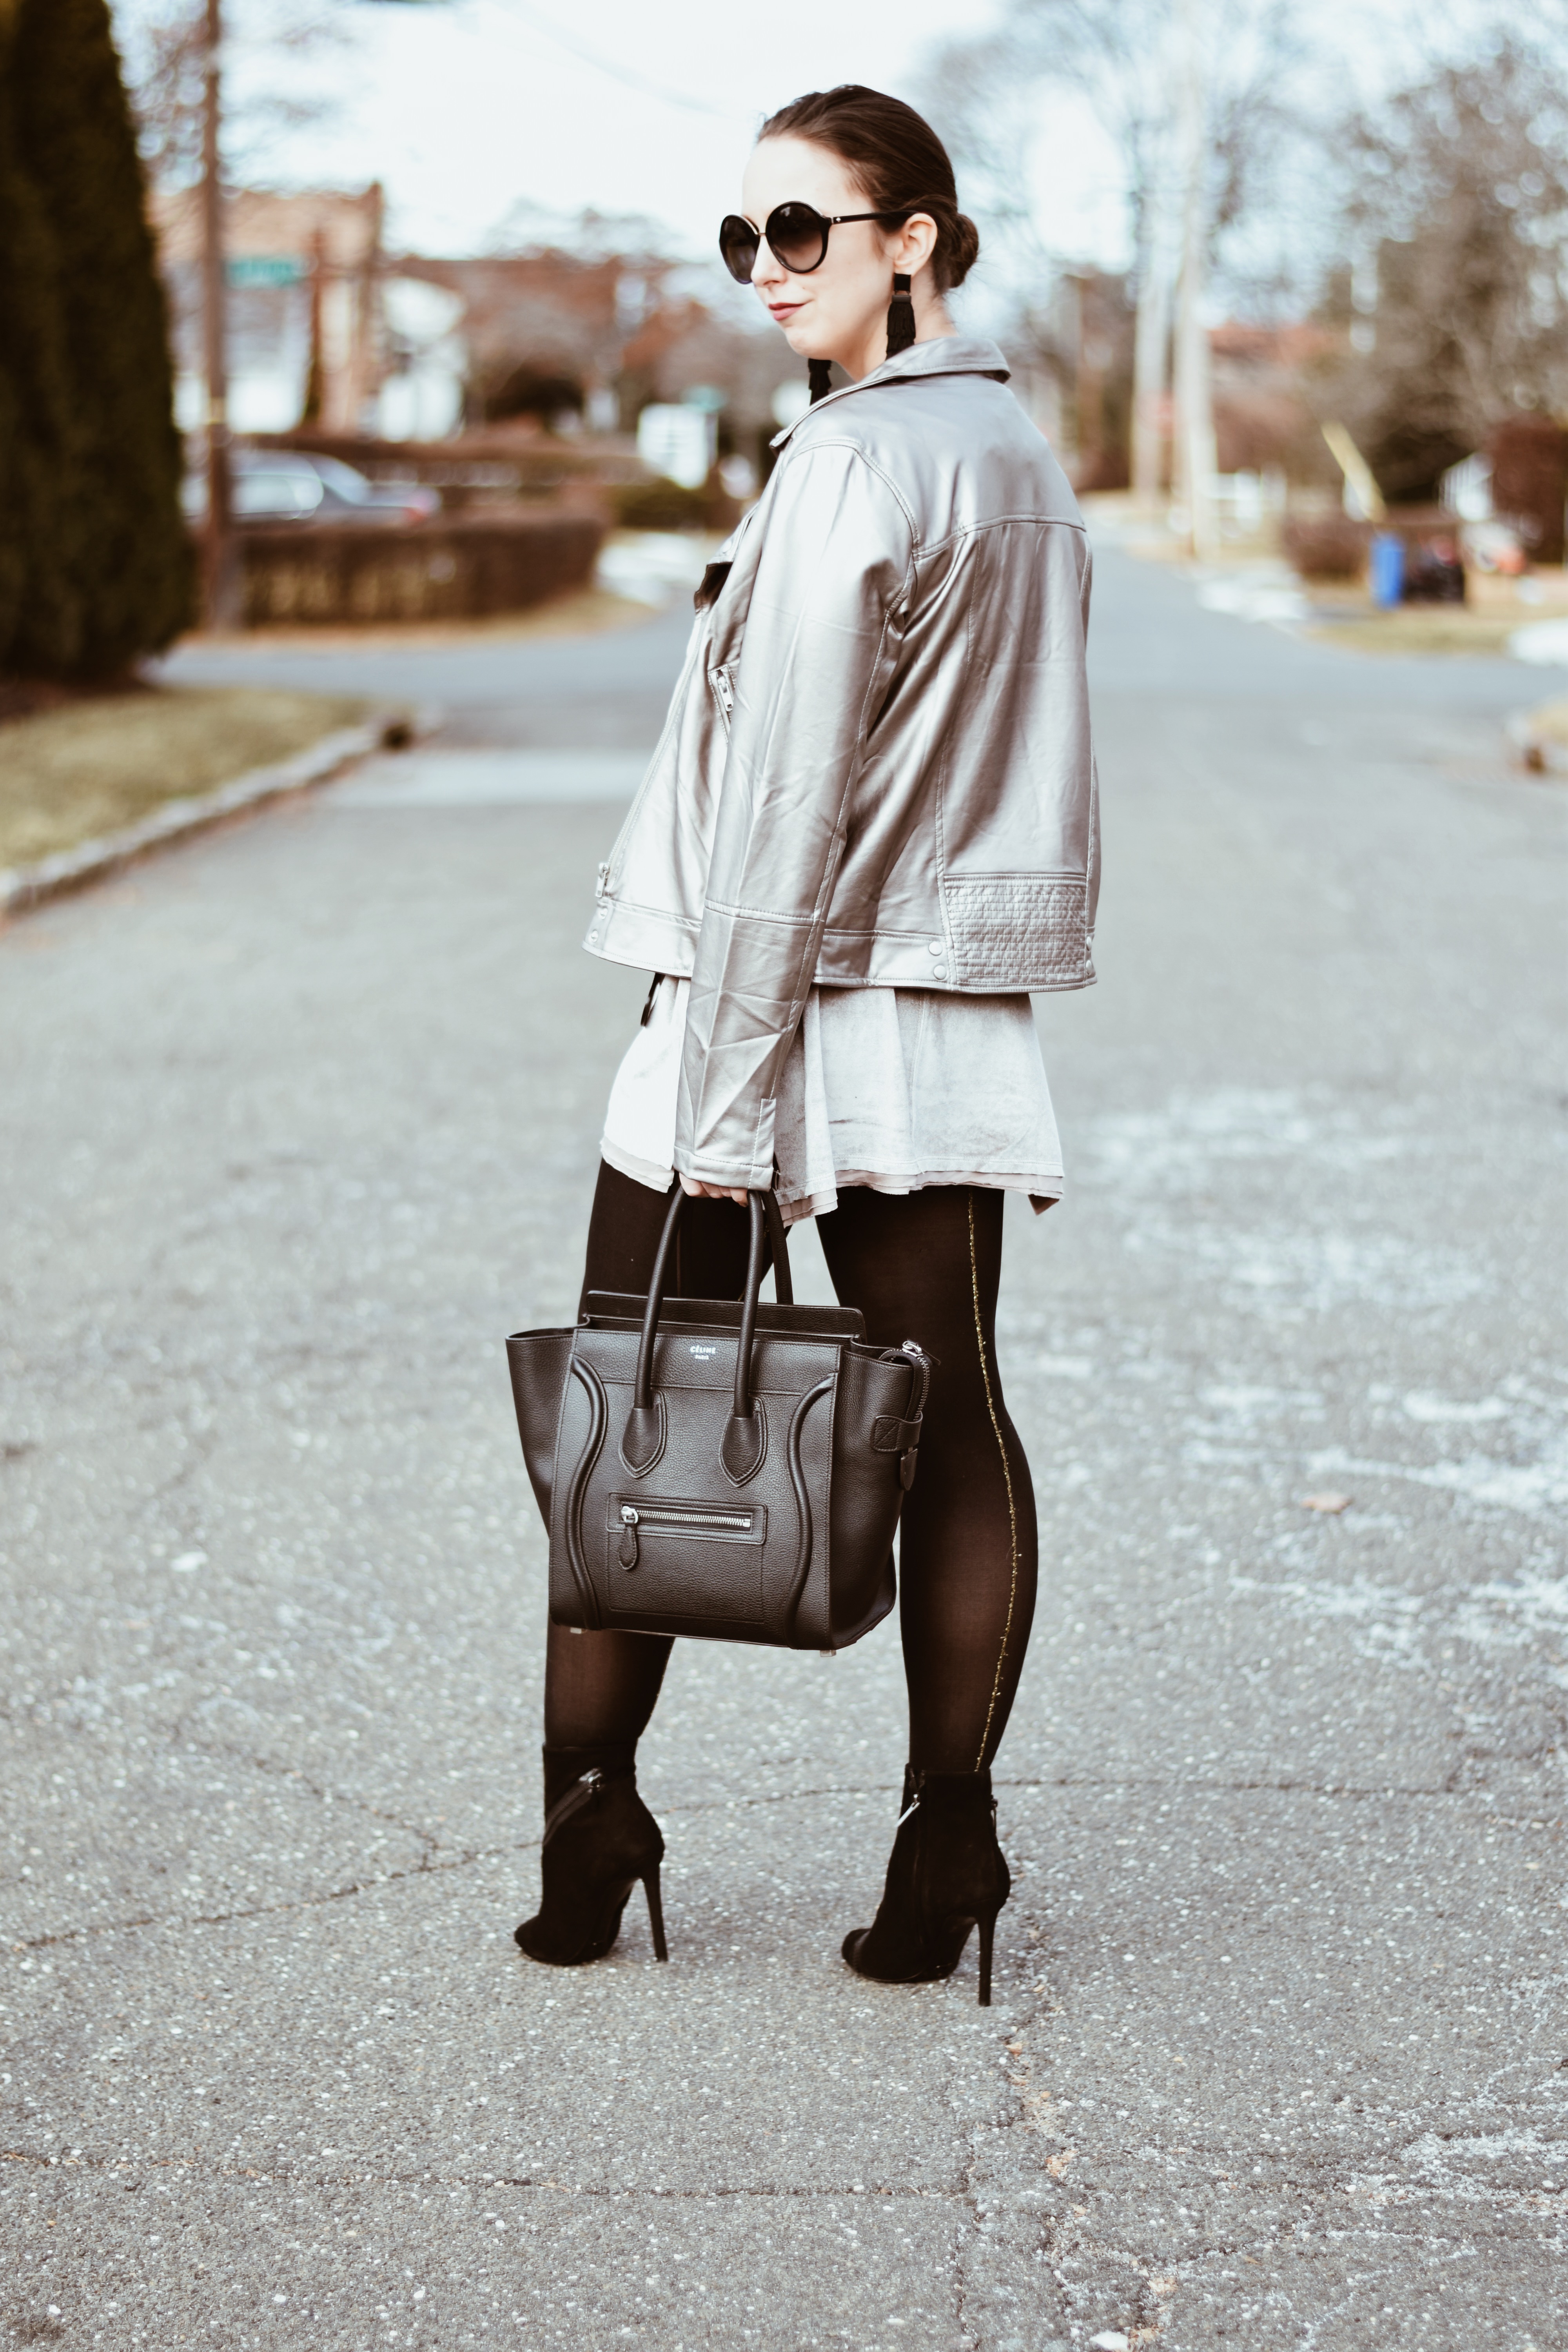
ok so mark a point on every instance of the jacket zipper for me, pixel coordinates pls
(649, 1514)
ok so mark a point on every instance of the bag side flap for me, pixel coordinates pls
(538, 1362)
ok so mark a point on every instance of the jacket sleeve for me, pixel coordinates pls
(812, 671)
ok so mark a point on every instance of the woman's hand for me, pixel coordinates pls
(695, 1189)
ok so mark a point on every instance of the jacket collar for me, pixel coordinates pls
(943, 355)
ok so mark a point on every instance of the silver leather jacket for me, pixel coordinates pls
(877, 769)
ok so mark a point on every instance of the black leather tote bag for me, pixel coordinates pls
(718, 1466)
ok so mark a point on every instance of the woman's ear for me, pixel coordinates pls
(912, 246)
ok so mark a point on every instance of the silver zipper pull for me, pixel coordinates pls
(627, 1552)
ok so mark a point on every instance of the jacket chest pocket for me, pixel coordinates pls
(723, 682)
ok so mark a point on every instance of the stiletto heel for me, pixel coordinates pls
(655, 1912)
(599, 1839)
(947, 1875)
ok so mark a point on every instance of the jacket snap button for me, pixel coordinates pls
(939, 971)
(933, 947)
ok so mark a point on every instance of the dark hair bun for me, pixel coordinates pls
(896, 157)
(965, 250)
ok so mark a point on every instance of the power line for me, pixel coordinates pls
(627, 75)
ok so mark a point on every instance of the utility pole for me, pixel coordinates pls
(220, 579)
(1195, 452)
(1152, 339)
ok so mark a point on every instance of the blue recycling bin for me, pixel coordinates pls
(1387, 569)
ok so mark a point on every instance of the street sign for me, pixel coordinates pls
(266, 269)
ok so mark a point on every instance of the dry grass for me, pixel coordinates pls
(68, 774)
(583, 612)
(1422, 629)
(1483, 624)
(1548, 722)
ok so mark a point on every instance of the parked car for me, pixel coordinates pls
(281, 486)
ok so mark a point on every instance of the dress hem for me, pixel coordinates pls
(1044, 1191)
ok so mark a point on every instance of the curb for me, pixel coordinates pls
(22, 887)
(1541, 754)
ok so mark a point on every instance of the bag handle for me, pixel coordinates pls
(643, 1441)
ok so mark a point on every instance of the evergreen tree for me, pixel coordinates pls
(95, 564)
(38, 617)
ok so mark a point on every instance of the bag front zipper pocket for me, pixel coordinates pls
(674, 1519)
(684, 1558)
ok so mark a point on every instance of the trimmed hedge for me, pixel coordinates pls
(327, 573)
(664, 505)
(95, 564)
(1326, 547)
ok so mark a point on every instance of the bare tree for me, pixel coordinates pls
(164, 48)
(1124, 58)
(1458, 202)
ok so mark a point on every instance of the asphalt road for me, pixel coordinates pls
(600, 692)
(300, 1119)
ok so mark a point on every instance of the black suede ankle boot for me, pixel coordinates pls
(599, 1839)
(947, 1875)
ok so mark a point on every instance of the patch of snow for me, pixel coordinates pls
(1421, 1407)
(1246, 597)
(649, 567)
(1544, 643)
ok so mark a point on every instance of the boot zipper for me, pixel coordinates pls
(913, 1807)
(580, 1794)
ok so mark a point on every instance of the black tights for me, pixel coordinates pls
(920, 1266)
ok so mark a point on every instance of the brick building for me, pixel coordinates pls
(306, 325)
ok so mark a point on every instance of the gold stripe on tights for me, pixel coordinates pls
(1007, 1478)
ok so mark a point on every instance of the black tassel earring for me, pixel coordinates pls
(817, 376)
(901, 316)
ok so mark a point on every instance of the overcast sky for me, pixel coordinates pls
(470, 110)
(466, 108)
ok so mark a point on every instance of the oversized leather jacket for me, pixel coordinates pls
(876, 771)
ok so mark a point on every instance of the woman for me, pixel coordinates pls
(869, 832)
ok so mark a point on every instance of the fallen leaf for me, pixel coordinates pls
(1332, 1504)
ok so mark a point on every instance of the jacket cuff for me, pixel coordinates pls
(754, 1169)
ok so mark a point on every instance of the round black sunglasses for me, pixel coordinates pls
(796, 233)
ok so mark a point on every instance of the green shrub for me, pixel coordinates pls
(660, 505)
